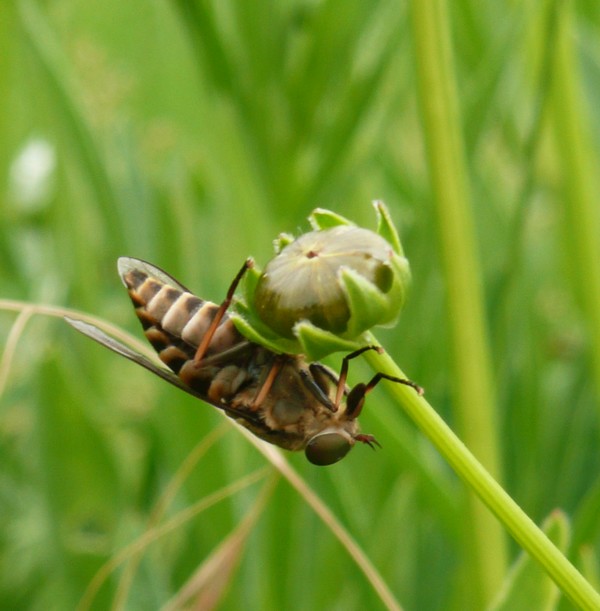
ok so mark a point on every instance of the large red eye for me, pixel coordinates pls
(302, 282)
(327, 448)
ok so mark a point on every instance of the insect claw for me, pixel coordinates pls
(369, 440)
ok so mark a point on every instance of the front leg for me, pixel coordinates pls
(205, 343)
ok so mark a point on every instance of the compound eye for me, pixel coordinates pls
(327, 448)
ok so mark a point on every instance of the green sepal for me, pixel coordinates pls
(251, 333)
(253, 329)
(251, 279)
(386, 228)
(316, 343)
(367, 304)
(282, 240)
(321, 218)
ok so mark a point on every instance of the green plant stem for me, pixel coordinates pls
(471, 471)
(578, 161)
(472, 376)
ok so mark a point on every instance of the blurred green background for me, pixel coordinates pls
(190, 134)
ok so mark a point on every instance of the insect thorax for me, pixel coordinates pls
(293, 414)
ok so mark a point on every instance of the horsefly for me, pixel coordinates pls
(281, 398)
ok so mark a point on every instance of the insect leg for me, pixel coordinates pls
(263, 391)
(314, 385)
(203, 347)
(341, 384)
(368, 439)
(356, 398)
(321, 371)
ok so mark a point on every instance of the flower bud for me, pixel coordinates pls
(304, 281)
(323, 290)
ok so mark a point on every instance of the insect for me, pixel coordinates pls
(281, 398)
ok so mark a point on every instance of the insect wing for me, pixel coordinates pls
(129, 264)
(120, 348)
(116, 346)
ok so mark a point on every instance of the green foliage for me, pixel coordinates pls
(526, 585)
(192, 133)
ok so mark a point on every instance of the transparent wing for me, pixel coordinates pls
(116, 346)
(128, 264)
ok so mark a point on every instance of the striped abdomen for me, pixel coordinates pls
(175, 321)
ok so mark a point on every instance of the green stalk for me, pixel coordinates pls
(579, 162)
(471, 471)
(472, 377)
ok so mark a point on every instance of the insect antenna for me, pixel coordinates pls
(204, 344)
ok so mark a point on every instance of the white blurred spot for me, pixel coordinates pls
(31, 175)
